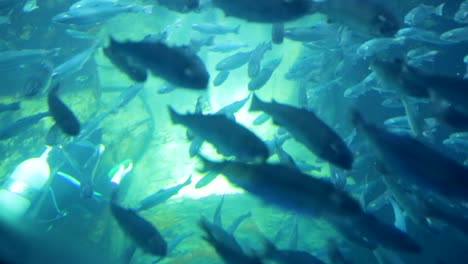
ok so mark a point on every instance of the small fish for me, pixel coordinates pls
(419, 15)
(461, 16)
(30, 6)
(39, 81)
(422, 35)
(166, 88)
(74, 64)
(87, 16)
(261, 119)
(256, 58)
(215, 29)
(62, 115)
(315, 32)
(456, 35)
(264, 75)
(220, 78)
(227, 46)
(234, 61)
(13, 129)
(161, 196)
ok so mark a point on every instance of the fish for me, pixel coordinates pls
(215, 29)
(261, 119)
(161, 196)
(196, 43)
(181, 6)
(126, 96)
(396, 75)
(418, 16)
(277, 33)
(461, 16)
(177, 65)
(93, 4)
(279, 10)
(227, 46)
(220, 78)
(455, 35)
(367, 17)
(30, 6)
(10, 107)
(225, 244)
(206, 179)
(74, 64)
(256, 58)
(166, 88)
(39, 81)
(79, 34)
(384, 48)
(13, 129)
(287, 256)
(308, 129)
(234, 61)
(87, 16)
(14, 58)
(264, 75)
(141, 231)
(227, 136)
(61, 114)
(422, 35)
(415, 162)
(286, 187)
(312, 33)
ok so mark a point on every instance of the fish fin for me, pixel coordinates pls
(175, 117)
(257, 104)
(236, 29)
(439, 11)
(148, 9)
(189, 180)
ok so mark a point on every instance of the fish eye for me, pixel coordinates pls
(188, 72)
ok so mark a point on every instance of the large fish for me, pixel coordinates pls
(308, 129)
(228, 137)
(414, 162)
(177, 65)
(62, 115)
(142, 232)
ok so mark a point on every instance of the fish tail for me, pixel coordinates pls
(189, 180)
(175, 117)
(209, 165)
(16, 105)
(236, 29)
(439, 11)
(257, 104)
